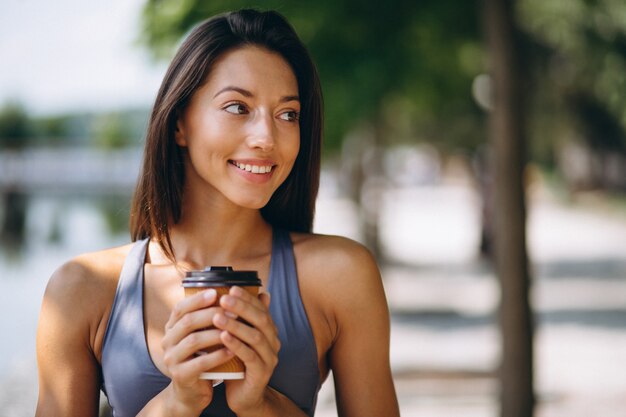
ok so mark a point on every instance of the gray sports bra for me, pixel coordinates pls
(130, 377)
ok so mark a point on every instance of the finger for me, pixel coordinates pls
(239, 301)
(197, 301)
(190, 370)
(244, 295)
(266, 343)
(242, 308)
(191, 344)
(255, 361)
(265, 299)
(189, 323)
(256, 314)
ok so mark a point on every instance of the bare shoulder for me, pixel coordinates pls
(334, 260)
(88, 273)
(82, 289)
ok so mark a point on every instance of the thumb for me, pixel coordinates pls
(265, 299)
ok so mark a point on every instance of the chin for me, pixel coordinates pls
(252, 203)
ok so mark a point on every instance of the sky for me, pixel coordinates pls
(75, 55)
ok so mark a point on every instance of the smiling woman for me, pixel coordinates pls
(230, 176)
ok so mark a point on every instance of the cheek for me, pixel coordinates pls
(211, 138)
(210, 125)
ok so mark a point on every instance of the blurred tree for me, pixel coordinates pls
(578, 55)
(15, 131)
(507, 136)
(116, 212)
(603, 135)
(112, 131)
(51, 130)
(15, 126)
(575, 62)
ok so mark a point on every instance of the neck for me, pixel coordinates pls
(218, 233)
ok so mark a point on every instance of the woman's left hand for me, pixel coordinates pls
(254, 341)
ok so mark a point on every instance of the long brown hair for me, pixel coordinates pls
(158, 196)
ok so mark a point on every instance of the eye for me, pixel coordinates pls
(290, 116)
(236, 108)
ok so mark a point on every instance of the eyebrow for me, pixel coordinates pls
(247, 93)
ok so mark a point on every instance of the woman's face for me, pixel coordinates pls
(241, 128)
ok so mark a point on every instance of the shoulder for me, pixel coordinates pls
(87, 273)
(335, 255)
(338, 248)
(82, 289)
(341, 271)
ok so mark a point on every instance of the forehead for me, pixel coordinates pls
(253, 68)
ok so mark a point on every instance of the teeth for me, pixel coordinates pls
(255, 169)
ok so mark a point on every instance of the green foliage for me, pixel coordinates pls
(52, 127)
(15, 126)
(18, 129)
(109, 130)
(579, 71)
(116, 212)
(407, 65)
(112, 131)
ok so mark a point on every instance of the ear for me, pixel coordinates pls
(179, 133)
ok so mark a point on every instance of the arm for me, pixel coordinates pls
(68, 370)
(359, 356)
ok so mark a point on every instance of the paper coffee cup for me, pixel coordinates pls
(221, 278)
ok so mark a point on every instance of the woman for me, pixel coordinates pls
(230, 176)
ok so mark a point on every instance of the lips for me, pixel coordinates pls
(253, 167)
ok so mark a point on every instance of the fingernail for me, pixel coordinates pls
(209, 294)
(236, 291)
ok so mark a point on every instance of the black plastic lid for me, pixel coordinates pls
(219, 276)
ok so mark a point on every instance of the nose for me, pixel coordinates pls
(261, 135)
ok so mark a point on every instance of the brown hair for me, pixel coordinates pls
(158, 196)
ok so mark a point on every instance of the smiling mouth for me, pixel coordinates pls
(254, 169)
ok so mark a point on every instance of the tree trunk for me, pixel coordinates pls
(506, 131)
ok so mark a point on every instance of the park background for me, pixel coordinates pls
(406, 171)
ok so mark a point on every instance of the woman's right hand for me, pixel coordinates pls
(186, 333)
